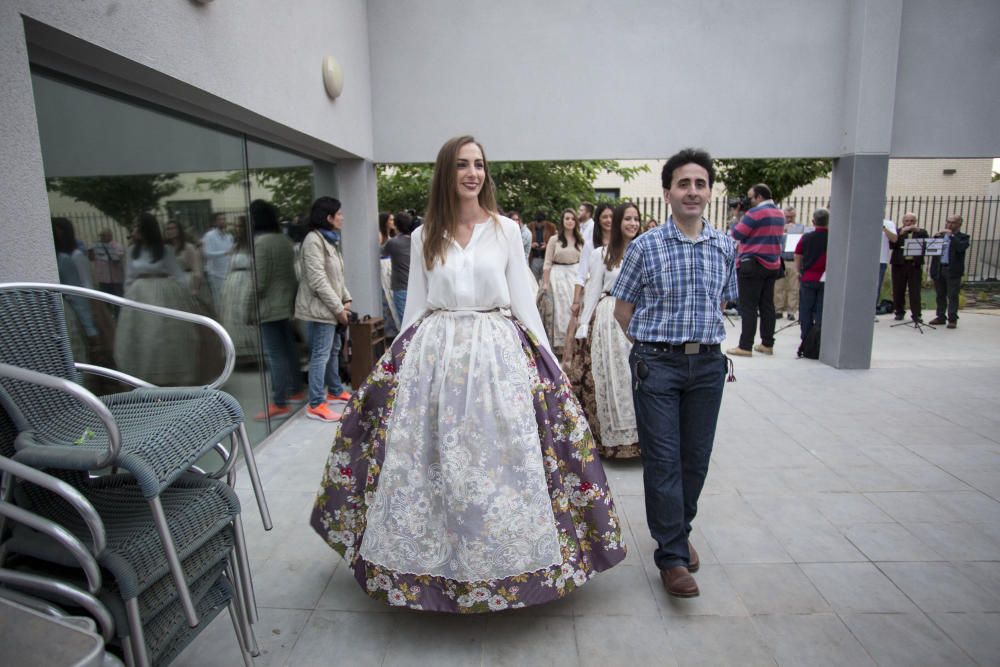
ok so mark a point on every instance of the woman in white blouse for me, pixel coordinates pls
(464, 478)
(609, 349)
(562, 260)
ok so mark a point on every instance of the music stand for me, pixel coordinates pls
(921, 248)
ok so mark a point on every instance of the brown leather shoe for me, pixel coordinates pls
(679, 582)
(693, 561)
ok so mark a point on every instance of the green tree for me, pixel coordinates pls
(526, 187)
(122, 198)
(781, 175)
(291, 188)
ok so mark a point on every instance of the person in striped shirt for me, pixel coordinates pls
(759, 232)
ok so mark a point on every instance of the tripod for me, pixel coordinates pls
(922, 247)
(916, 324)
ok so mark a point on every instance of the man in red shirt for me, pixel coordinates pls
(810, 260)
(760, 233)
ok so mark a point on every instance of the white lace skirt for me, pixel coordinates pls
(233, 312)
(612, 378)
(462, 492)
(562, 280)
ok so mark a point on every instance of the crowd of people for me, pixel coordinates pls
(466, 474)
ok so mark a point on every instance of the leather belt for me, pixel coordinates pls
(693, 347)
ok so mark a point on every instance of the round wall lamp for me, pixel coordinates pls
(333, 77)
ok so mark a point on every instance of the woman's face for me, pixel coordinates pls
(337, 220)
(607, 215)
(471, 167)
(569, 221)
(170, 232)
(390, 225)
(630, 223)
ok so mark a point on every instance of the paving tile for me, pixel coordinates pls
(940, 587)
(717, 641)
(889, 542)
(744, 544)
(514, 640)
(957, 541)
(621, 591)
(969, 506)
(811, 639)
(811, 543)
(775, 588)
(843, 509)
(618, 640)
(912, 507)
(857, 588)
(436, 640)
(342, 638)
(905, 640)
(277, 631)
(343, 593)
(291, 584)
(976, 634)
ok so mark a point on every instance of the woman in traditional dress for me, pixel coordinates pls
(576, 353)
(464, 477)
(190, 262)
(234, 313)
(562, 261)
(609, 349)
(158, 349)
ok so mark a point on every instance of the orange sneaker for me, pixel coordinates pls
(273, 412)
(323, 413)
(298, 398)
(342, 396)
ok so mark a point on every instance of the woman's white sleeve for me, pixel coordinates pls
(519, 279)
(592, 292)
(416, 283)
(581, 272)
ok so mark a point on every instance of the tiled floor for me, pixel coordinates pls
(849, 518)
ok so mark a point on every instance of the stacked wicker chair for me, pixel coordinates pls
(165, 539)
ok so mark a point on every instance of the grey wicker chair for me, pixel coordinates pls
(53, 517)
(154, 433)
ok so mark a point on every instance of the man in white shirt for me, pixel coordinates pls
(888, 234)
(216, 245)
(585, 219)
(525, 233)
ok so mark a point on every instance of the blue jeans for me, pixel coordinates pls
(399, 301)
(810, 306)
(282, 360)
(324, 362)
(677, 398)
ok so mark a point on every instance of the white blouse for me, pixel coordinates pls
(490, 272)
(599, 283)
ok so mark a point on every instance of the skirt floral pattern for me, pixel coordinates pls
(586, 527)
(562, 279)
(612, 381)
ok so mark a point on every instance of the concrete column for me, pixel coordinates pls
(356, 189)
(857, 208)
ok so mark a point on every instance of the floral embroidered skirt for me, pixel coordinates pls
(464, 477)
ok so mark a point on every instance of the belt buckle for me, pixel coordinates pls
(692, 348)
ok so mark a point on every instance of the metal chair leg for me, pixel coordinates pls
(258, 489)
(243, 568)
(247, 660)
(127, 652)
(135, 634)
(246, 631)
(173, 561)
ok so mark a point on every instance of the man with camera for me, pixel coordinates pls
(948, 269)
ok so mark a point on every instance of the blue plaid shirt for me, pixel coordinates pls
(678, 285)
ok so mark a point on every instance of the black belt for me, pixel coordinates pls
(686, 348)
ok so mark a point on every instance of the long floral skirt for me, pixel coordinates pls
(562, 282)
(612, 380)
(579, 373)
(464, 477)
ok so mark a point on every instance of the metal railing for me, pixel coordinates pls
(980, 215)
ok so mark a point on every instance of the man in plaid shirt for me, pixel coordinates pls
(670, 293)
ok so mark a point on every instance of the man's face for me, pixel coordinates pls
(752, 197)
(582, 213)
(220, 223)
(953, 224)
(909, 219)
(689, 191)
(105, 237)
(516, 218)
(790, 216)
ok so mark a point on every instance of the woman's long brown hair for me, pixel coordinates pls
(441, 220)
(615, 253)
